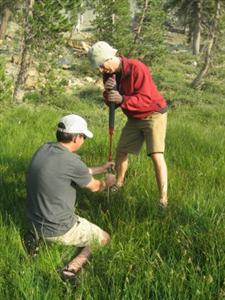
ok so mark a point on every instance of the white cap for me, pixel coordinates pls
(100, 52)
(74, 124)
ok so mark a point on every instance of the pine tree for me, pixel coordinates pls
(140, 36)
(43, 25)
(112, 23)
(51, 18)
(217, 25)
(149, 32)
(196, 16)
(7, 8)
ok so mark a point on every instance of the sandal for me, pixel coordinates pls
(163, 205)
(68, 275)
(115, 188)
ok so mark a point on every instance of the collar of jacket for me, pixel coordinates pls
(126, 68)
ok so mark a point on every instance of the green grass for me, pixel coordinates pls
(175, 74)
(178, 254)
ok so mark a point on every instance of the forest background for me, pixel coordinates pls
(45, 74)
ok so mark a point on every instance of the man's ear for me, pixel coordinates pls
(74, 139)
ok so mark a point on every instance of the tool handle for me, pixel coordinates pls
(111, 115)
(112, 107)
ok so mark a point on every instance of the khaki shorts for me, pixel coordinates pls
(152, 130)
(82, 234)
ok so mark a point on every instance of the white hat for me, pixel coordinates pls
(74, 124)
(100, 52)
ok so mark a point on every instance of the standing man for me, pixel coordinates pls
(128, 83)
(53, 175)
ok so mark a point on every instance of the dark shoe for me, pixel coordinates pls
(68, 275)
(31, 243)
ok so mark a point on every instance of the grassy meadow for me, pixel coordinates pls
(175, 254)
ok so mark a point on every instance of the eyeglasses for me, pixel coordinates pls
(83, 136)
(102, 66)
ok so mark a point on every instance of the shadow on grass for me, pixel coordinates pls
(13, 199)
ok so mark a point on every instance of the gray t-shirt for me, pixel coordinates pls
(52, 177)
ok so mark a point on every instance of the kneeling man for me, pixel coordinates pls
(53, 175)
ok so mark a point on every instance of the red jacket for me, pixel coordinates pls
(138, 89)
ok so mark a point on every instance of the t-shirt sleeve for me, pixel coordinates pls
(80, 173)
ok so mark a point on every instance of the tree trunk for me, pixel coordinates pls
(4, 23)
(80, 18)
(196, 83)
(140, 23)
(197, 28)
(113, 19)
(27, 36)
(190, 34)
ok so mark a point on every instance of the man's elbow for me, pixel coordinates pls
(93, 189)
(94, 186)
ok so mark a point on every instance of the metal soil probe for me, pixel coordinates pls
(111, 127)
(111, 131)
(111, 123)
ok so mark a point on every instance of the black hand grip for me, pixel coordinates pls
(112, 108)
(111, 114)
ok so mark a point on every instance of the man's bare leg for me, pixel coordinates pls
(161, 176)
(76, 264)
(121, 167)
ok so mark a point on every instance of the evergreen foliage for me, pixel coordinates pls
(141, 37)
(150, 43)
(51, 18)
(10, 4)
(112, 23)
(183, 13)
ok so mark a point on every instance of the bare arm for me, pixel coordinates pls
(101, 169)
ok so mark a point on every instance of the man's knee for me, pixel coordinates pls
(157, 157)
(121, 155)
(105, 238)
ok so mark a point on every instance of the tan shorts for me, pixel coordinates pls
(152, 130)
(83, 233)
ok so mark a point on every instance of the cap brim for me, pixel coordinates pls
(88, 133)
